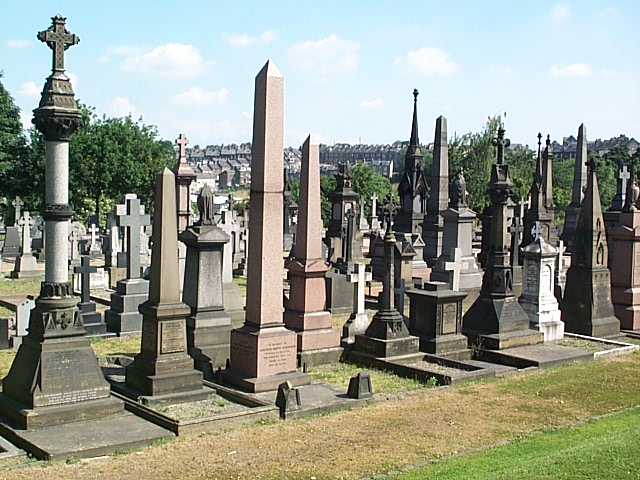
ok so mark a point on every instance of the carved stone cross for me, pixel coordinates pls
(58, 39)
(389, 210)
(85, 270)
(182, 143)
(18, 204)
(454, 268)
(93, 230)
(501, 143)
(26, 222)
(360, 277)
(536, 230)
(134, 220)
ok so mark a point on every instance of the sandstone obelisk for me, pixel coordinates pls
(263, 351)
(317, 343)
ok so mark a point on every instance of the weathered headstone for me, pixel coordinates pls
(12, 243)
(263, 351)
(26, 265)
(91, 318)
(17, 204)
(123, 316)
(496, 320)
(232, 297)
(538, 298)
(305, 314)
(208, 325)
(586, 305)
(358, 321)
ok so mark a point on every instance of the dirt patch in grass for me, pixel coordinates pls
(585, 344)
(382, 436)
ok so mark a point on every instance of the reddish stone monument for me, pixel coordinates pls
(263, 351)
(625, 267)
(317, 343)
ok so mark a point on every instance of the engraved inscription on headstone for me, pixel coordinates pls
(58, 379)
(449, 318)
(278, 353)
(532, 279)
(173, 336)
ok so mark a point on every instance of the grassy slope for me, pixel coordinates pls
(603, 448)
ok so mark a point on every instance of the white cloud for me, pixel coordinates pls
(573, 70)
(374, 104)
(559, 12)
(609, 13)
(25, 118)
(171, 60)
(120, 51)
(196, 97)
(73, 78)
(224, 131)
(29, 90)
(431, 61)
(327, 56)
(244, 40)
(121, 107)
(18, 44)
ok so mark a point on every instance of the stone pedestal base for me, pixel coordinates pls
(497, 323)
(123, 317)
(116, 274)
(386, 337)
(261, 358)
(91, 319)
(26, 267)
(356, 325)
(322, 356)
(443, 344)
(208, 339)
(552, 330)
(626, 304)
(313, 333)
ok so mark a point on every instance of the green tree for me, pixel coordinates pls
(562, 187)
(475, 153)
(13, 149)
(327, 185)
(366, 181)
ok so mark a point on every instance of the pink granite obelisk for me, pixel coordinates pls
(263, 351)
(317, 342)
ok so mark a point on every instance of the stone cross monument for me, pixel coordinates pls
(18, 204)
(358, 321)
(184, 175)
(55, 377)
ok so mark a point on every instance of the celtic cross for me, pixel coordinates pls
(58, 39)
(501, 143)
(389, 210)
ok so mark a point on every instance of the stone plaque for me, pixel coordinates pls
(449, 317)
(277, 353)
(173, 336)
(68, 376)
(531, 280)
(545, 280)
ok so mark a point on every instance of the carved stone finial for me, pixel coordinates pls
(206, 206)
(58, 38)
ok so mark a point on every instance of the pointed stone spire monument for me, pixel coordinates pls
(163, 369)
(586, 305)
(549, 204)
(625, 269)
(537, 213)
(577, 193)
(433, 224)
(317, 342)
(496, 319)
(55, 378)
(184, 175)
(263, 351)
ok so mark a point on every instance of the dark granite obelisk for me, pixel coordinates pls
(55, 378)
(586, 306)
(163, 370)
(577, 193)
(496, 320)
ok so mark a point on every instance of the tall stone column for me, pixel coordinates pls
(317, 343)
(263, 351)
(577, 194)
(55, 377)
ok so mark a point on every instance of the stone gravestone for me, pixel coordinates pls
(625, 269)
(26, 265)
(538, 298)
(114, 245)
(263, 351)
(91, 318)
(12, 242)
(23, 312)
(496, 320)
(435, 313)
(163, 370)
(94, 246)
(208, 325)
(612, 215)
(586, 305)
(17, 204)
(387, 335)
(358, 321)
(305, 314)
(123, 316)
(77, 233)
(232, 297)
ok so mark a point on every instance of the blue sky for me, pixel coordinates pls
(349, 66)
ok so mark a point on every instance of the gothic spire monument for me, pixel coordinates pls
(55, 378)
(577, 194)
(413, 189)
(496, 319)
(586, 306)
